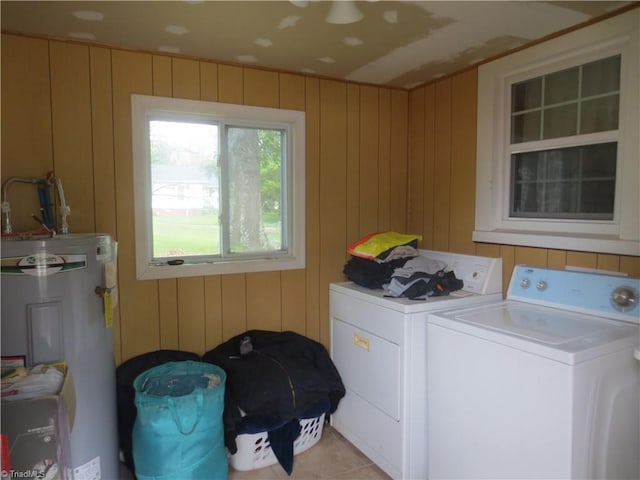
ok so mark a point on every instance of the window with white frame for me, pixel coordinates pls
(219, 188)
(558, 138)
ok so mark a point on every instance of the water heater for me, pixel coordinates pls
(53, 309)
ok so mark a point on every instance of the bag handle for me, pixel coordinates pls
(178, 420)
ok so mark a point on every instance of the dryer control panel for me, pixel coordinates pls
(592, 292)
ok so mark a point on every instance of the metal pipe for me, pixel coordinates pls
(6, 207)
(65, 210)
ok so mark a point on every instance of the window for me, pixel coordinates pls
(219, 188)
(558, 130)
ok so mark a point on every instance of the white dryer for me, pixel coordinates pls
(378, 345)
(541, 385)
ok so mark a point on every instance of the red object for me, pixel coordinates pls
(6, 455)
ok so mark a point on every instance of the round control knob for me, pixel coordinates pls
(525, 282)
(624, 298)
(541, 285)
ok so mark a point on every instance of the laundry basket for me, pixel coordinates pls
(254, 450)
(178, 431)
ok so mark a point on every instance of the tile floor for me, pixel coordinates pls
(332, 458)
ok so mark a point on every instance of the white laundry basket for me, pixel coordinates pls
(254, 449)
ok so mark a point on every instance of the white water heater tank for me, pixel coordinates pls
(50, 313)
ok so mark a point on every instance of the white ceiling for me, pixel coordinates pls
(396, 43)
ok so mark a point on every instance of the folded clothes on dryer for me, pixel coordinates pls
(421, 284)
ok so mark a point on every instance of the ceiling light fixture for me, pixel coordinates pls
(343, 12)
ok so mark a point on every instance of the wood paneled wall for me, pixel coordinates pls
(442, 143)
(66, 108)
(377, 159)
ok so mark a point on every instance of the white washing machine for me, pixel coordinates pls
(541, 385)
(378, 345)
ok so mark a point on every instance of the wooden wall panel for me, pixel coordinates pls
(384, 160)
(463, 153)
(556, 258)
(168, 314)
(71, 115)
(312, 205)
(429, 203)
(209, 82)
(293, 301)
(333, 191)
(162, 76)
(213, 311)
(293, 282)
(608, 262)
(368, 172)
(398, 166)
(508, 254)
(531, 256)
(264, 310)
(261, 88)
(630, 265)
(139, 306)
(234, 305)
(442, 166)
(353, 166)
(191, 315)
(416, 182)
(582, 259)
(26, 123)
(102, 140)
(230, 84)
(186, 78)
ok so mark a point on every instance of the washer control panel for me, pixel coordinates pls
(592, 292)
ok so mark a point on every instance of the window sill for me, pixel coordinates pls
(583, 243)
(158, 272)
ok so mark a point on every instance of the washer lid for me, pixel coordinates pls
(557, 334)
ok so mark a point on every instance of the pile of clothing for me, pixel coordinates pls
(391, 261)
(275, 379)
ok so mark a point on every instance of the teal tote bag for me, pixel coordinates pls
(179, 433)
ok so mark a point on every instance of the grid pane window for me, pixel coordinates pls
(561, 86)
(601, 77)
(560, 121)
(574, 182)
(599, 114)
(574, 101)
(549, 179)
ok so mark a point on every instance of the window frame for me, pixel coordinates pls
(147, 107)
(616, 35)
